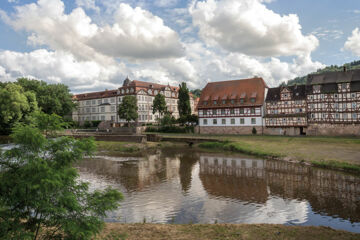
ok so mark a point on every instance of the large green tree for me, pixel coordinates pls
(128, 109)
(40, 194)
(159, 104)
(51, 98)
(15, 106)
(184, 101)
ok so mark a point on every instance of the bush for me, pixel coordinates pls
(87, 124)
(171, 129)
(254, 131)
(95, 123)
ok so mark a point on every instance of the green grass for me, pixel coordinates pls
(126, 147)
(337, 165)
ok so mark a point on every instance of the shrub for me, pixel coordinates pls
(254, 131)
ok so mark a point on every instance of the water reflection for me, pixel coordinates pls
(184, 186)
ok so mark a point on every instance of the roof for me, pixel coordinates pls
(135, 84)
(297, 93)
(233, 90)
(334, 77)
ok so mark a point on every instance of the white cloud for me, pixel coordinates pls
(136, 33)
(58, 67)
(249, 27)
(165, 3)
(353, 42)
(88, 4)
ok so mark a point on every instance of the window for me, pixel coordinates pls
(215, 102)
(232, 121)
(232, 111)
(205, 112)
(345, 115)
(354, 116)
(284, 120)
(93, 110)
(106, 100)
(312, 116)
(232, 101)
(354, 105)
(253, 120)
(113, 108)
(241, 111)
(113, 118)
(336, 115)
(87, 103)
(205, 122)
(102, 118)
(214, 121)
(223, 121)
(112, 100)
(252, 110)
(242, 121)
(93, 102)
(102, 109)
(214, 111)
(87, 110)
(323, 116)
(252, 100)
(223, 101)
(222, 111)
(353, 95)
(242, 100)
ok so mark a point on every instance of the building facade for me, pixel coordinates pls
(333, 100)
(285, 110)
(232, 107)
(103, 106)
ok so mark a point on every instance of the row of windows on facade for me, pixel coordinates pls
(297, 102)
(232, 101)
(284, 120)
(337, 115)
(103, 118)
(232, 121)
(223, 111)
(141, 107)
(322, 96)
(335, 105)
(341, 87)
(112, 100)
(150, 91)
(224, 162)
(276, 111)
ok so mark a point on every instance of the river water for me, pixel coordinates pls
(186, 186)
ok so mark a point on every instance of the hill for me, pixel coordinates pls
(332, 68)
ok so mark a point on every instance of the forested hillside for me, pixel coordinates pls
(332, 68)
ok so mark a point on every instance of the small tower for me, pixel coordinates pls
(126, 81)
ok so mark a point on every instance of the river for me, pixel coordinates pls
(186, 186)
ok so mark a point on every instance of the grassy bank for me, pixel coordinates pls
(325, 152)
(221, 231)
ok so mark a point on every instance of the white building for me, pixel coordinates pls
(103, 106)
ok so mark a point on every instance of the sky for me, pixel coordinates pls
(92, 45)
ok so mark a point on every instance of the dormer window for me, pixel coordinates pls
(215, 102)
(205, 103)
(242, 100)
(252, 100)
(223, 101)
(232, 101)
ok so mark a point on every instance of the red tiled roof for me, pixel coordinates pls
(234, 90)
(93, 95)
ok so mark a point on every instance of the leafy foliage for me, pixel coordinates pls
(48, 124)
(196, 92)
(128, 109)
(15, 106)
(159, 104)
(167, 120)
(184, 101)
(333, 68)
(40, 195)
(51, 98)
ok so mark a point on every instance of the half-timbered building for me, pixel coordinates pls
(285, 110)
(232, 107)
(333, 100)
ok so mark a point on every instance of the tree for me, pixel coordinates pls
(15, 106)
(159, 104)
(48, 124)
(196, 92)
(128, 109)
(40, 194)
(52, 98)
(184, 101)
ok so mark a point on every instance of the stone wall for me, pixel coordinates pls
(315, 129)
(230, 130)
(285, 131)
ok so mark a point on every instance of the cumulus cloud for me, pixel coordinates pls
(135, 33)
(88, 4)
(249, 27)
(56, 67)
(353, 42)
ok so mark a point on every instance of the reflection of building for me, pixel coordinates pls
(329, 192)
(103, 106)
(232, 107)
(134, 174)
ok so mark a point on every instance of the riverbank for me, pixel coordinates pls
(326, 152)
(220, 231)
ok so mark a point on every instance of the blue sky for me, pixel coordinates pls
(92, 44)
